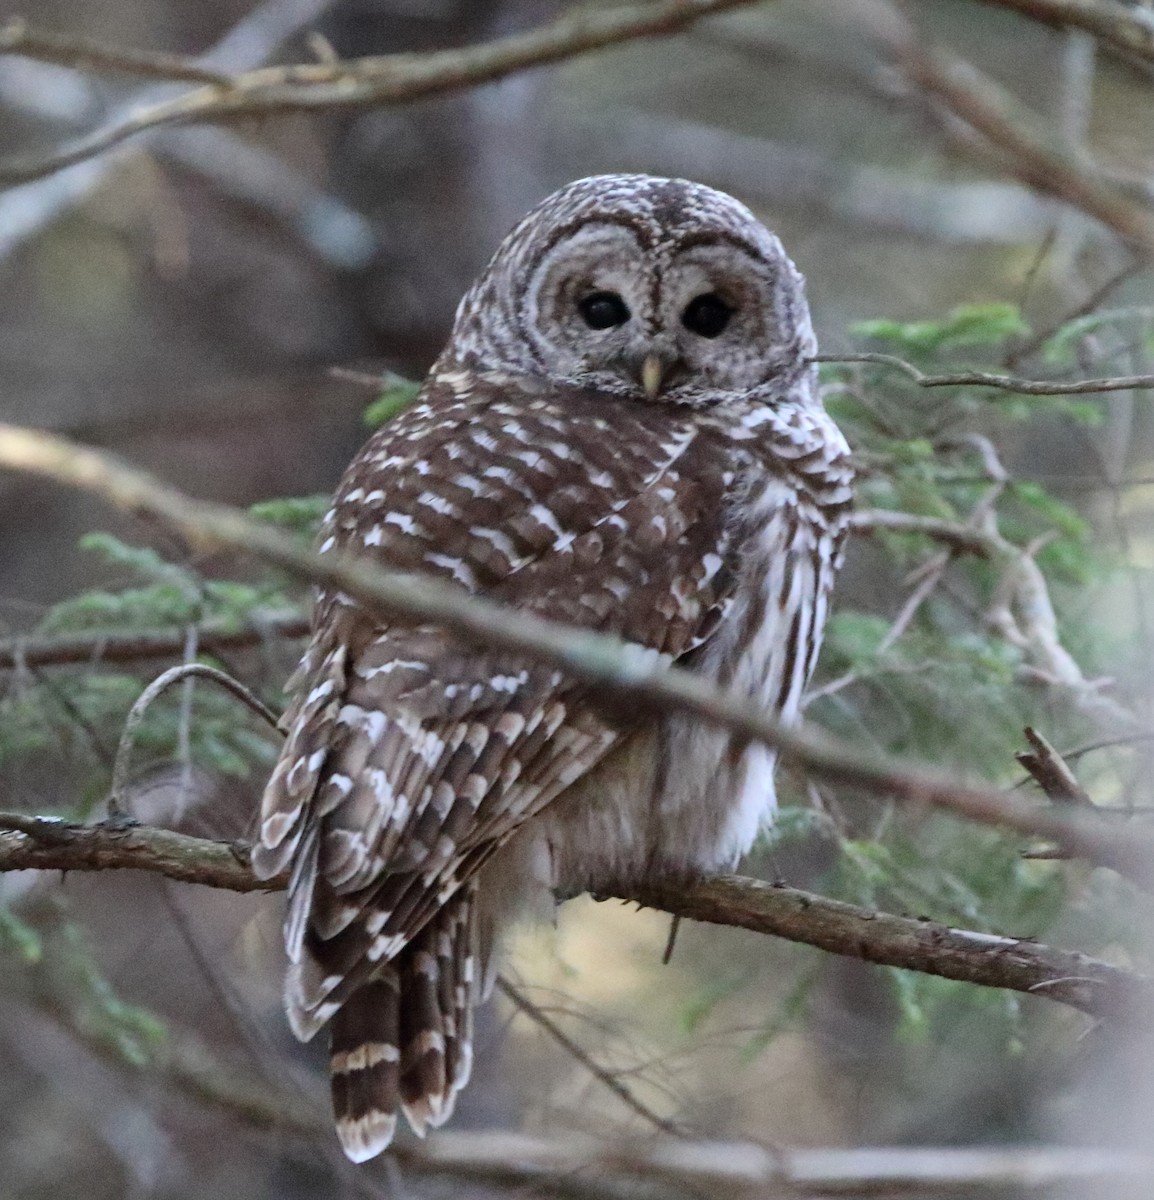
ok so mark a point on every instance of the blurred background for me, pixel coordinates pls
(184, 301)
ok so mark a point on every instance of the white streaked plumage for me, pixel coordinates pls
(428, 791)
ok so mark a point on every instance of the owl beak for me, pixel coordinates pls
(652, 373)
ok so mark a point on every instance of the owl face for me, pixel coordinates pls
(654, 288)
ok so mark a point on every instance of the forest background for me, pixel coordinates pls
(227, 279)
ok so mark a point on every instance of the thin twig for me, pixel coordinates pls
(1004, 383)
(537, 1015)
(113, 647)
(1091, 303)
(71, 50)
(593, 658)
(123, 764)
(40, 843)
(253, 40)
(1108, 743)
(381, 80)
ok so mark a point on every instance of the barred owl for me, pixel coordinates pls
(623, 433)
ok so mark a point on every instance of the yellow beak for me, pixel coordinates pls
(652, 370)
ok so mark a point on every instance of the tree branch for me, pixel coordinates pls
(541, 1018)
(593, 658)
(250, 42)
(105, 647)
(745, 1169)
(52, 844)
(1050, 771)
(1115, 24)
(1027, 149)
(1074, 979)
(108, 646)
(16, 37)
(377, 80)
(1014, 964)
(1005, 383)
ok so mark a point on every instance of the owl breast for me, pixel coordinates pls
(681, 797)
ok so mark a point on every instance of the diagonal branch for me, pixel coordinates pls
(1124, 27)
(17, 37)
(1087, 984)
(596, 659)
(253, 40)
(541, 1018)
(1026, 148)
(377, 80)
(111, 646)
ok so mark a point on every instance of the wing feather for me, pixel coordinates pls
(410, 758)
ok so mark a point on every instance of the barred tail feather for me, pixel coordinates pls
(365, 1066)
(404, 1041)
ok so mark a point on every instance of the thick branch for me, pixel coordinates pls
(1074, 979)
(50, 844)
(926, 946)
(597, 659)
(1051, 772)
(107, 646)
(379, 80)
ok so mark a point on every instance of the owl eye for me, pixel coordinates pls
(603, 310)
(706, 315)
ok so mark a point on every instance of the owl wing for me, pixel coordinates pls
(410, 759)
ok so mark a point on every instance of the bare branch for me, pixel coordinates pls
(51, 844)
(596, 659)
(535, 1014)
(186, 671)
(251, 41)
(1084, 983)
(1026, 148)
(1121, 26)
(109, 646)
(1015, 964)
(380, 80)
(1050, 771)
(86, 54)
(745, 1169)
(106, 647)
(1004, 383)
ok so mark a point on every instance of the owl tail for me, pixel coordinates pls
(405, 1040)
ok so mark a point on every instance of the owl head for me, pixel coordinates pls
(660, 289)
